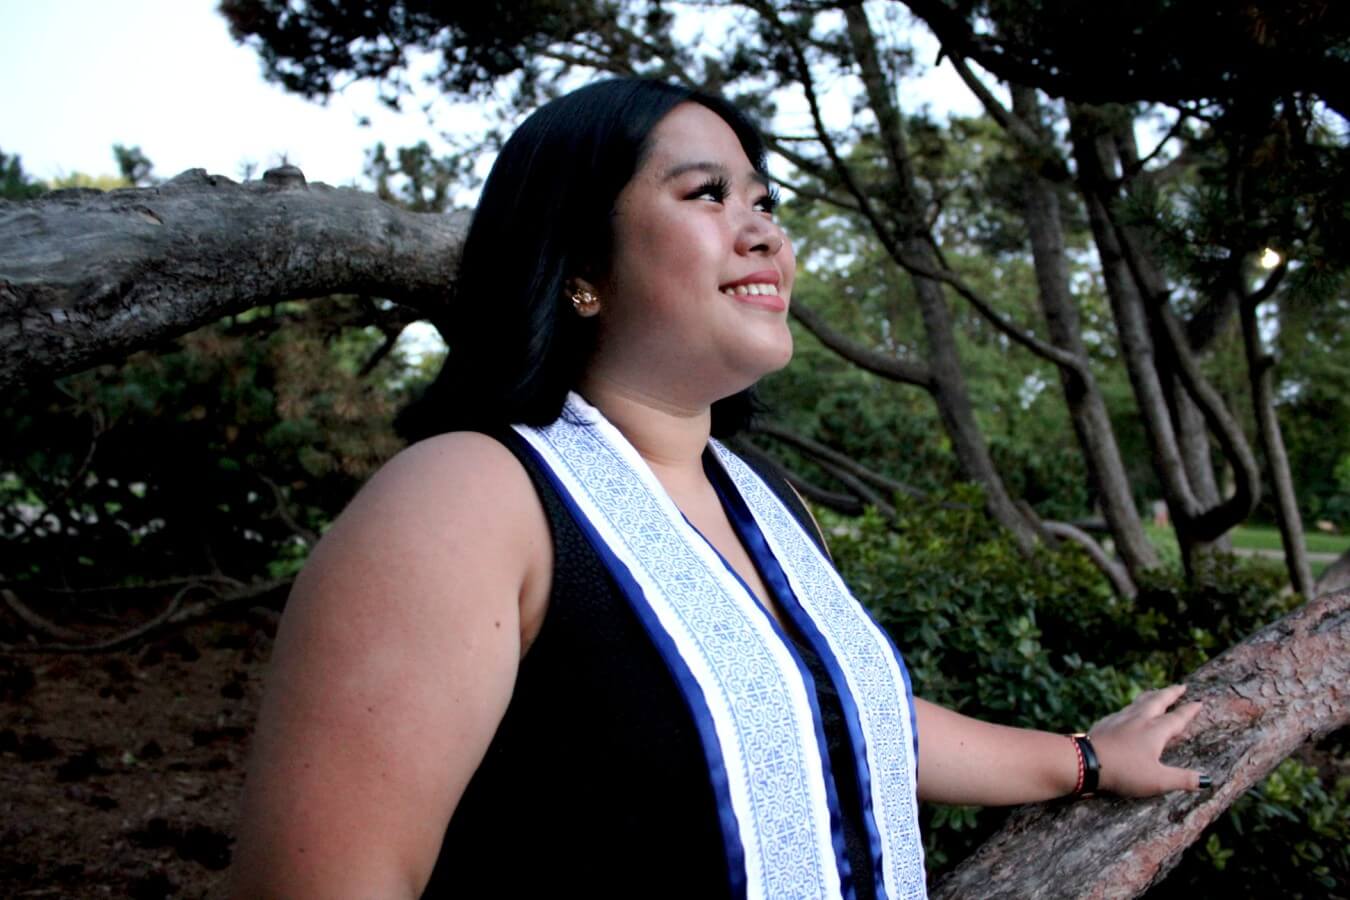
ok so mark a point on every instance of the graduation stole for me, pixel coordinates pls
(752, 698)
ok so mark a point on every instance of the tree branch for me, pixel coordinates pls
(858, 487)
(874, 361)
(391, 337)
(841, 168)
(283, 512)
(848, 504)
(1117, 574)
(174, 614)
(1265, 697)
(821, 453)
(888, 118)
(818, 196)
(1212, 523)
(1050, 163)
(1136, 167)
(1287, 514)
(87, 276)
(38, 623)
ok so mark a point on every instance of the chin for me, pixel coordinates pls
(784, 352)
(772, 359)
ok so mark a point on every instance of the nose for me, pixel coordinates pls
(758, 235)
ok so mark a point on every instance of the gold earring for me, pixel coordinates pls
(584, 301)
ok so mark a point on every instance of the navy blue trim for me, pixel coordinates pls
(689, 687)
(817, 722)
(753, 538)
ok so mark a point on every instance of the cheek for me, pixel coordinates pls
(677, 255)
(787, 260)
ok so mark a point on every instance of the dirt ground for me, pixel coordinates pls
(120, 772)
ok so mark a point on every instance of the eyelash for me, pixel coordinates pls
(719, 188)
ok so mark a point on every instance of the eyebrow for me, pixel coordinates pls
(710, 168)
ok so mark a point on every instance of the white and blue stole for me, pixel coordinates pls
(753, 699)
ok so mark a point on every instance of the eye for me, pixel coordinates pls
(769, 202)
(715, 189)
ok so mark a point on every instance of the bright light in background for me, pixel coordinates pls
(167, 77)
(1269, 258)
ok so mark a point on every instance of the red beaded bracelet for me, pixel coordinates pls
(1089, 769)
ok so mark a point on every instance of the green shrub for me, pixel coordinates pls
(1042, 642)
(1287, 837)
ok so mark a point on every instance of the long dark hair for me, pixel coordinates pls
(516, 346)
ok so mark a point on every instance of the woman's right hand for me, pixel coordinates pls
(1130, 742)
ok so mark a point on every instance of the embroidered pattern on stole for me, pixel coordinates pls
(747, 689)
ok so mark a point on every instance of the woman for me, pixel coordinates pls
(596, 653)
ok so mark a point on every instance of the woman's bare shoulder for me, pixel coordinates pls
(456, 509)
(436, 475)
(395, 661)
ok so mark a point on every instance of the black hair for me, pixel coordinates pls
(544, 216)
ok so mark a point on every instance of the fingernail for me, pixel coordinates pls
(1206, 782)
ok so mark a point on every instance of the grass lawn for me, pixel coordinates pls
(1257, 537)
(1264, 537)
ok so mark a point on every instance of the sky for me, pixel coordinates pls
(77, 76)
(81, 75)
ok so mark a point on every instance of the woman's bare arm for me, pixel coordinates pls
(393, 666)
(964, 760)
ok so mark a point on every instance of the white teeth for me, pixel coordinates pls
(757, 288)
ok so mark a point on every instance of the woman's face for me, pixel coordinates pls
(694, 306)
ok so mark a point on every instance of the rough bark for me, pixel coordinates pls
(1087, 408)
(87, 276)
(1285, 685)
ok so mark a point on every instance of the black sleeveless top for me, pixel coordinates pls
(595, 783)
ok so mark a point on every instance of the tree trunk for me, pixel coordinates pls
(87, 276)
(1198, 461)
(1178, 407)
(1285, 685)
(956, 410)
(1132, 326)
(1091, 422)
(905, 241)
(1277, 460)
(1216, 514)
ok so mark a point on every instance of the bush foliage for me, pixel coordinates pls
(1042, 642)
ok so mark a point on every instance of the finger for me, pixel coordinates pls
(1155, 703)
(1176, 722)
(1175, 779)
